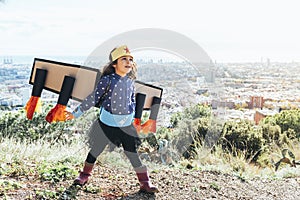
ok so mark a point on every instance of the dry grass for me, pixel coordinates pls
(237, 164)
(39, 151)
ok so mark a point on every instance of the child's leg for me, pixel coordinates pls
(141, 172)
(96, 149)
(134, 159)
(97, 141)
(97, 146)
(140, 169)
(145, 183)
(90, 158)
(88, 165)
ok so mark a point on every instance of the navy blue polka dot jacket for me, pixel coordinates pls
(120, 98)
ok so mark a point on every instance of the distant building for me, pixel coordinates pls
(223, 104)
(7, 61)
(256, 102)
(261, 114)
(11, 100)
(210, 76)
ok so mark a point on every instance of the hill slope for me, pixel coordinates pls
(111, 183)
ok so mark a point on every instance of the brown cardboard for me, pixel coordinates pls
(85, 77)
(150, 91)
(86, 80)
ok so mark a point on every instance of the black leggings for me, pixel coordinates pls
(100, 135)
(133, 158)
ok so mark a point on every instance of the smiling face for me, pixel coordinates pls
(124, 65)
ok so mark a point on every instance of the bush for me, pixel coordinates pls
(14, 124)
(56, 173)
(240, 136)
(287, 119)
(190, 128)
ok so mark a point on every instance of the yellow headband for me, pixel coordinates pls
(119, 52)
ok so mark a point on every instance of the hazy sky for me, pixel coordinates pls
(228, 30)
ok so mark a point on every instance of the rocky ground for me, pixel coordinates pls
(111, 183)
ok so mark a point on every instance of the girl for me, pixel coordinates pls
(115, 93)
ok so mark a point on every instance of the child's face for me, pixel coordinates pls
(124, 65)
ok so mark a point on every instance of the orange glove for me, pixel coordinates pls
(150, 125)
(59, 114)
(33, 105)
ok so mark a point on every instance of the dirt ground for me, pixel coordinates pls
(111, 183)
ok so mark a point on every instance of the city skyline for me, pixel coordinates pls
(230, 31)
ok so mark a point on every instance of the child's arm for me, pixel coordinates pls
(92, 99)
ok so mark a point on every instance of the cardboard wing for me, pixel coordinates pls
(86, 79)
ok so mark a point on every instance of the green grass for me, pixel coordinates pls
(58, 161)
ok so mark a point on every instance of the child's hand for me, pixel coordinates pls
(76, 113)
(69, 115)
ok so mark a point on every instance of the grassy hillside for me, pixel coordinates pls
(40, 160)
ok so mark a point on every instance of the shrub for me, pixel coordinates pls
(287, 119)
(190, 129)
(56, 173)
(14, 124)
(240, 136)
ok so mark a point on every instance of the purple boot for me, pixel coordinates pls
(145, 184)
(84, 174)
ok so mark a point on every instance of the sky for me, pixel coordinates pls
(229, 31)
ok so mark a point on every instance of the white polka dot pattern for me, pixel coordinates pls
(120, 98)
